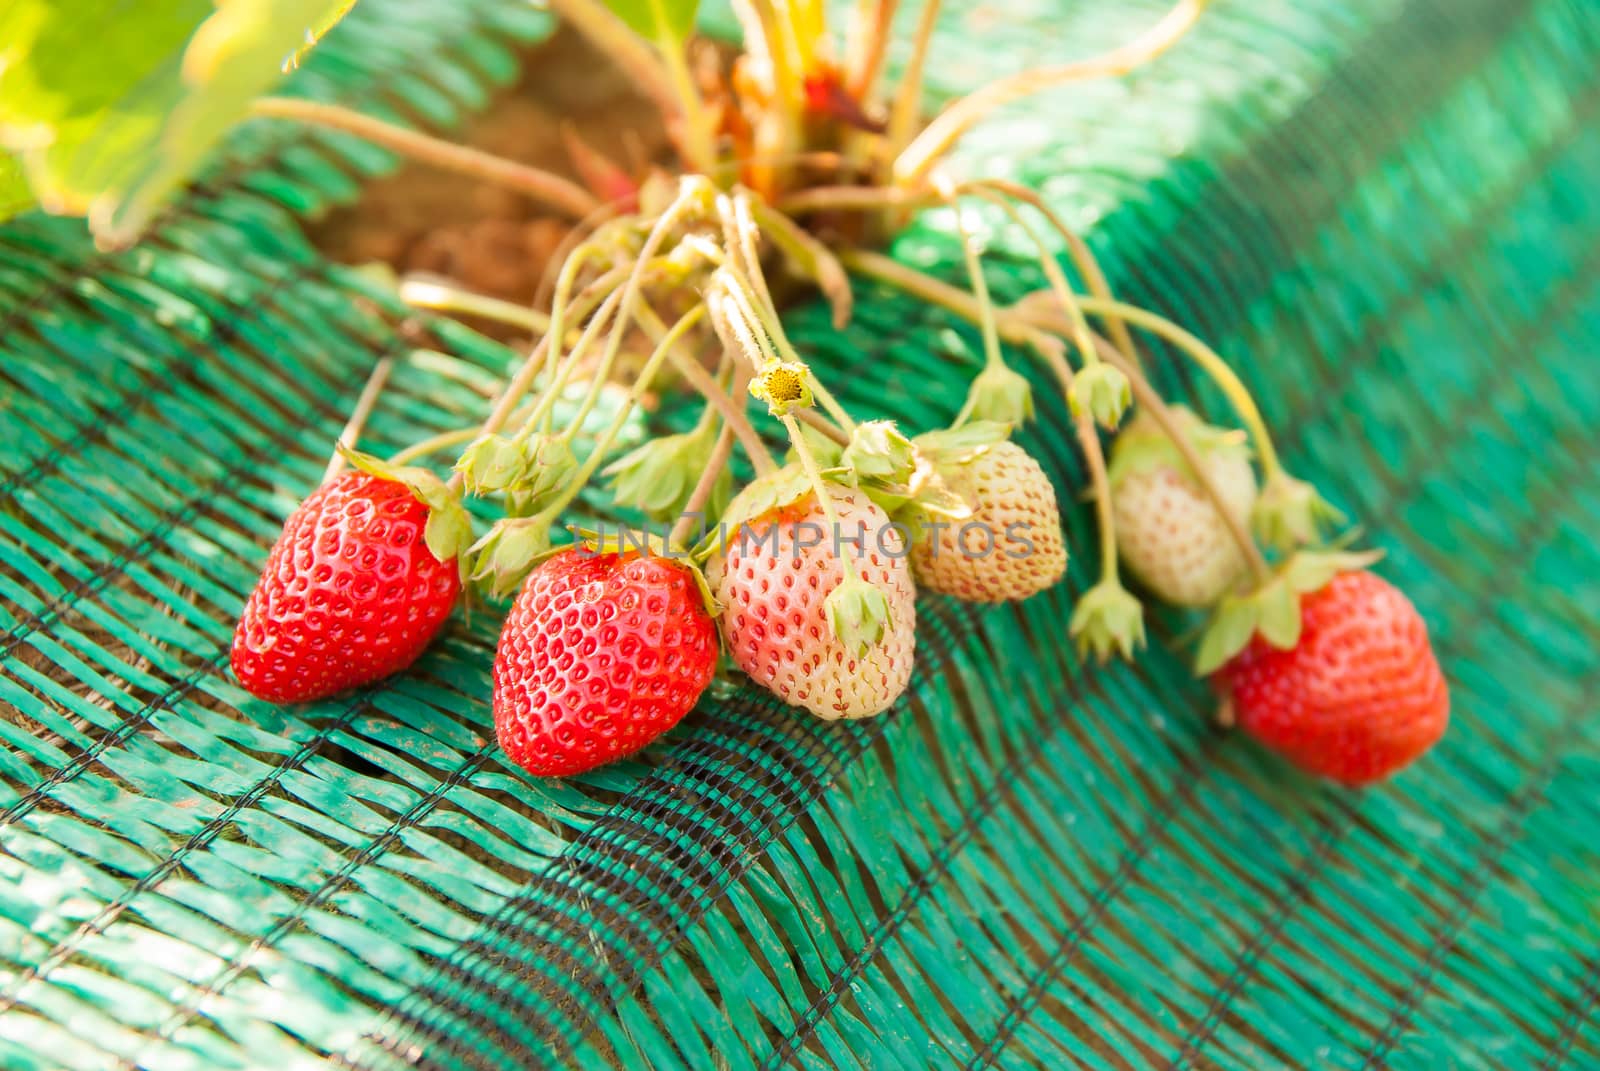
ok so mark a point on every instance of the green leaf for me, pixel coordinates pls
(662, 21)
(112, 106)
(15, 197)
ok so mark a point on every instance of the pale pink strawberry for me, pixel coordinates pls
(1170, 533)
(773, 587)
(1010, 548)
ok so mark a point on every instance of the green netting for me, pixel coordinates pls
(1385, 209)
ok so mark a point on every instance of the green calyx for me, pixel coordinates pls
(878, 450)
(1273, 608)
(1102, 391)
(448, 532)
(1290, 513)
(760, 497)
(858, 613)
(504, 557)
(1108, 621)
(659, 477)
(1000, 395)
(1144, 444)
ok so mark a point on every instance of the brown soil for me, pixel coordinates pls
(489, 239)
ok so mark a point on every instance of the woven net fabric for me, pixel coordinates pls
(1384, 210)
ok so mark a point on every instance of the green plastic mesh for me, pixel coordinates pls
(1385, 210)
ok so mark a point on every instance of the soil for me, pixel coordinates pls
(485, 238)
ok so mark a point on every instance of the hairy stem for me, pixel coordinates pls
(1208, 360)
(703, 487)
(421, 293)
(581, 478)
(1083, 257)
(919, 156)
(358, 416)
(553, 190)
(980, 285)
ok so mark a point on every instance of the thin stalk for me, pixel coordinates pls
(358, 416)
(919, 156)
(867, 45)
(726, 405)
(908, 95)
(442, 297)
(1094, 457)
(434, 442)
(820, 421)
(980, 286)
(580, 479)
(680, 207)
(815, 259)
(1052, 271)
(720, 452)
(1083, 257)
(553, 190)
(575, 236)
(1208, 360)
(852, 198)
(808, 461)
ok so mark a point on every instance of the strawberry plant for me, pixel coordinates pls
(794, 159)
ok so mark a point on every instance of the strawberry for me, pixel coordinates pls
(1011, 546)
(774, 578)
(601, 654)
(1358, 696)
(1169, 531)
(350, 593)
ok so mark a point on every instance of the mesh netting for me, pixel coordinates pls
(1384, 209)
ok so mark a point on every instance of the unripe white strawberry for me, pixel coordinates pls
(773, 580)
(1169, 532)
(1010, 548)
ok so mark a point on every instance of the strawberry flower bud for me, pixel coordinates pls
(1291, 514)
(491, 463)
(858, 614)
(1000, 395)
(1103, 392)
(1108, 620)
(783, 385)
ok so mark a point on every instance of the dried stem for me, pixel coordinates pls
(553, 190)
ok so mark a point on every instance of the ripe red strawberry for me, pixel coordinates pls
(774, 587)
(1358, 697)
(350, 594)
(601, 654)
(1010, 548)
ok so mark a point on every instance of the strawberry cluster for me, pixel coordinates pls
(805, 580)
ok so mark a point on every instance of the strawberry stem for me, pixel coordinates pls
(358, 416)
(980, 286)
(1208, 360)
(720, 452)
(1095, 459)
(1083, 257)
(907, 108)
(1058, 281)
(427, 293)
(726, 405)
(949, 126)
(580, 479)
(808, 461)
(553, 190)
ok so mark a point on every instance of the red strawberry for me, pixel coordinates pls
(601, 654)
(350, 594)
(1358, 697)
(774, 587)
